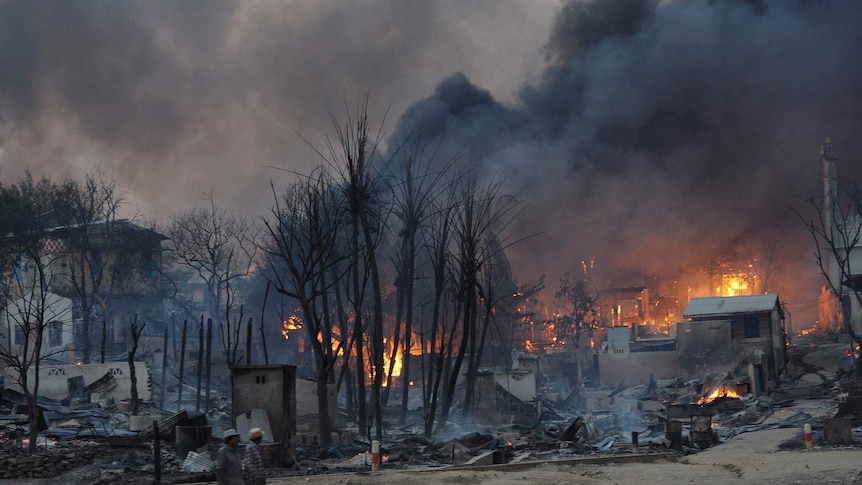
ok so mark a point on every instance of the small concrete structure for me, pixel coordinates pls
(272, 389)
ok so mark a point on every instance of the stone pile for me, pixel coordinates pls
(46, 463)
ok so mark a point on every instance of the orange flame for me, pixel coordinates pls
(720, 391)
(396, 368)
(734, 285)
(292, 323)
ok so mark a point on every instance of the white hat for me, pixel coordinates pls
(255, 433)
(230, 433)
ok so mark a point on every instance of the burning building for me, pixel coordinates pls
(722, 334)
(725, 332)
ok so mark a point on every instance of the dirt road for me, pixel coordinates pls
(750, 458)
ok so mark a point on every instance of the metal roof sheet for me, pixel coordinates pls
(726, 305)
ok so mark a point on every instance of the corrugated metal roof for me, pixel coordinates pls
(726, 305)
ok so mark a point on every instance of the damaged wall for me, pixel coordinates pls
(705, 346)
(273, 389)
(307, 405)
(634, 368)
(54, 379)
(520, 383)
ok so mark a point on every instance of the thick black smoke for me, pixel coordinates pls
(663, 134)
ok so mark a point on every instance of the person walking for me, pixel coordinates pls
(252, 465)
(228, 463)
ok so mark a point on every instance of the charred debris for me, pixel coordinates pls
(527, 415)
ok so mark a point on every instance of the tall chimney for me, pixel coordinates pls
(829, 157)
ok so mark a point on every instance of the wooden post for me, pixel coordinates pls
(157, 452)
(375, 455)
(174, 335)
(182, 365)
(200, 364)
(209, 362)
(262, 314)
(248, 342)
(162, 390)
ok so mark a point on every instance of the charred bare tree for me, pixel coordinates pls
(581, 300)
(231, 334)
(437, 245)
(351, 156)
(303, 235)
(414, 193)
(835, 225)
(28, 210)
(479, 217)
(496, 289)
(93, 239)
(345, 376)
(136, 331)
(219, 246)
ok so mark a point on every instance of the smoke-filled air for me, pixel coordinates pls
(645, 136)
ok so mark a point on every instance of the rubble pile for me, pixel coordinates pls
(665, 418)
(45, 463)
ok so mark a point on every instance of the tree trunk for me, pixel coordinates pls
(396, 340)
(358, 332)
(348, 348)
(136, 335)
(472, 365)
(408, 328)
(323, 406)
(377, 334)
(435, 367)
(449, 390)
(262, 319)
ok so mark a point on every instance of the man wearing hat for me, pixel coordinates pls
(252, 466)
(228, 463)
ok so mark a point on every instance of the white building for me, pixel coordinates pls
(55, 314)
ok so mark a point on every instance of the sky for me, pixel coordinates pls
(177, 99)
(648, 135)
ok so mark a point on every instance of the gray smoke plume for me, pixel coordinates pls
(179, 98)
(663, 134)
